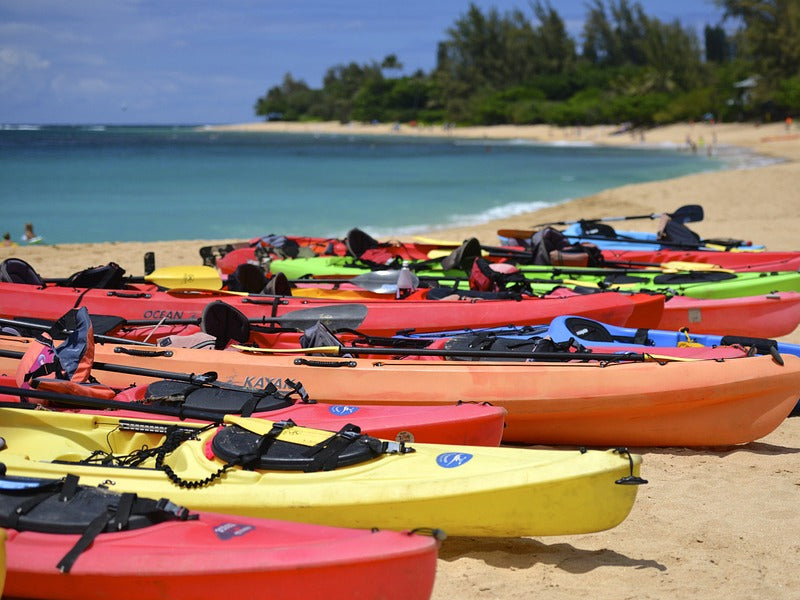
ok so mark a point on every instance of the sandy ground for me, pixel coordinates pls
(712, 523)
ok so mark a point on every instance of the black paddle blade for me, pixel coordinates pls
(343, 316)
(691, 213)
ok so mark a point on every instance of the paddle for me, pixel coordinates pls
(44, 327)
(690, 213)
(297, 435)
(492, 354)
(208, 378)
(190, 276)
(336, 316)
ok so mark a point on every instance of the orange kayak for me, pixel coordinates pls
(669, 403)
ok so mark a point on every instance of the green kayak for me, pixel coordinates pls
(716, 284)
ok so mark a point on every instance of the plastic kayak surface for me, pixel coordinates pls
(364, 483)
(668, 403)
(205, 555)
(375, 317)
(471, 424)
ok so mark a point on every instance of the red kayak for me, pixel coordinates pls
(165, 552)
(737, 261)
(146, 305)
(770, 315)
(356, 243)
(469, 424)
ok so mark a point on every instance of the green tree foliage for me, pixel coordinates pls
(494, 68)
(768, 43)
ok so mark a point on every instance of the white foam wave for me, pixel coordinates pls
(19, 127)
(463, 220)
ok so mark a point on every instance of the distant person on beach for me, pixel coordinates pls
(788, 123)
(7, 240)
(28, 235)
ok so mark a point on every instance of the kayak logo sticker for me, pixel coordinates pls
(451, 460)
(227, 531)
(343, 410)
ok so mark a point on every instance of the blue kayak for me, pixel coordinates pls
(594, 334)
(606, 238)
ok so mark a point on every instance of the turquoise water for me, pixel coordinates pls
(83, 184)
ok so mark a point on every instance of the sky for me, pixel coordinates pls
(207, 61)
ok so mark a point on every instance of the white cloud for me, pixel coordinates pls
(11, 58)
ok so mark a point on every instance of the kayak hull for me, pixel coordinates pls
(696, 403)
(469, 424)
(463, 490)
(379, 317)
(768, 315)
(218, 555)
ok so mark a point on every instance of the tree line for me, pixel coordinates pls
(518, 68)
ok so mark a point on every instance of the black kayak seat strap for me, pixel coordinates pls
(326, 453)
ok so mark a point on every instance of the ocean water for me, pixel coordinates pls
(92, 184)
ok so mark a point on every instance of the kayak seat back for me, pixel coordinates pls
(105, 277)
(225, 323)
(247, 278)
(63, 507)
(16, 270)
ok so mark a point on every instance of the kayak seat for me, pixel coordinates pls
(61, 506)
(463, 256)
(16, 270)
(105, 277)
(65, 507)
(595, 228)
(586, 329)
(225, 323)
(278, 285)
(248, 278)
(214, 399)
(237, 445)
(357, 242)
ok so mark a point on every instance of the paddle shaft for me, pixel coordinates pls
(686, 214)
(208, 378)
(98, 337)
(494, 354)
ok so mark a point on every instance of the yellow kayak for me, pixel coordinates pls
(472, 491)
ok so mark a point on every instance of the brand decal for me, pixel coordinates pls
(451, 460)
(162, 314)
(342, 411)
(227, 531)
(259, 383)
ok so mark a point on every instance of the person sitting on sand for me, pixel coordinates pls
(7, 240)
